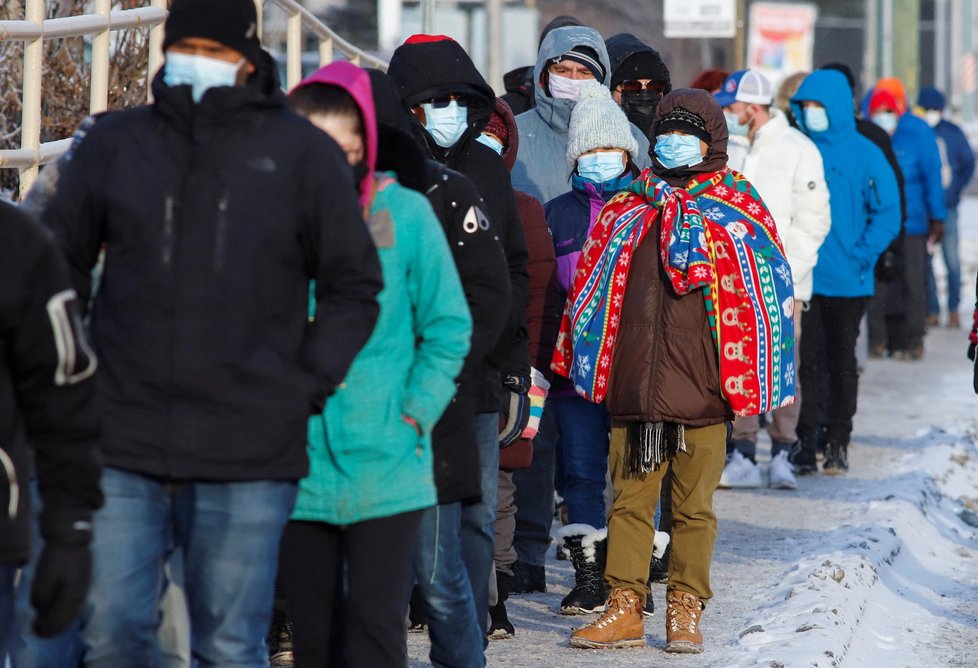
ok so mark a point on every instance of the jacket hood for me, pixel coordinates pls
(556, 113)
(831, 89)
(398, 150)
(513, 143)
(704, 105)
(428, 66)
(895, 87)
(356, 82)
(623, 46)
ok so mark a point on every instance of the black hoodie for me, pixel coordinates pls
(214, 218)
(428, 67)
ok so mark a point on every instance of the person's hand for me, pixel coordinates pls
(63, 574)
(936, 231)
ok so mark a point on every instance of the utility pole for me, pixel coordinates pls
(494, 14)
(428, 16)
(740, 38)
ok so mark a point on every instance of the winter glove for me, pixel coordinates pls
(516, 411)
(538, 395)
(936, 231)
(64, 572)
(973, 346)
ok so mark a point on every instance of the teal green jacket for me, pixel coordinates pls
(365, 460)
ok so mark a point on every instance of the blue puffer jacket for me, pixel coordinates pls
(863, 192)
(958, 156)
(915, 145)
(541, 165)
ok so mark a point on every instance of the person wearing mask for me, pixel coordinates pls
(567, 59)
(216, 206)
(349, 543)
(450, 104)
(865, 205)
(47, 395)
(915, 145)
(519, 82)
(645, 332)
(786, 167)
(957, 168)
(639, 79)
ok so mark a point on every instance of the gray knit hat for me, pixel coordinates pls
(598, 122)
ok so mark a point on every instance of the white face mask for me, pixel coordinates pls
(933, 117)
(199, 72)
(562, 88)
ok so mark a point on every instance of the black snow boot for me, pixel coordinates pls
(659, 565)
(587, 549)
(280, 653)
(528, 578)
(500, 627)
(417, 619)
(836, 459)
(802, 455)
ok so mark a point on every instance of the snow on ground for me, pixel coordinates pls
(877, 569)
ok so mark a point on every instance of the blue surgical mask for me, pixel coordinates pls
(600, 167)
(199, 72)
(447, 124)
(491, 142)
(816, 119)
(734, 128)
(678, 150)
(886, 120)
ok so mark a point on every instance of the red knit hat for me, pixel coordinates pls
(421, 38)
(881, 99)
(497, 127)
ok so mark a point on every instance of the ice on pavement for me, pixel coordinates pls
(877, 569)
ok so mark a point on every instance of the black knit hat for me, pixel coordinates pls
(233, 23)
(586, 56)
(684, 121)
(642, 65)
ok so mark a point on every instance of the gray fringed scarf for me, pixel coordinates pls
(649, 444)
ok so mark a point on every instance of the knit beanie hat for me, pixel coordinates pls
(497, 127)
(643, 65)
(684, 121)
(586, 56)
(598, 122)
(931, 98)
(233, 23)
(883, 99)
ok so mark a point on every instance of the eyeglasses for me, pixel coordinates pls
(445, 100)
(636, 86)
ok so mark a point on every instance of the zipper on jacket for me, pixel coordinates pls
(220, 241)
(14, 501)
(168, 216)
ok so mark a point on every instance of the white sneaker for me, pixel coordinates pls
(740, 472)
(782, 477)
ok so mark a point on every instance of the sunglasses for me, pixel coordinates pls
(636, 86)
(445, 100)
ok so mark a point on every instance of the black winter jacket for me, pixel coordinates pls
(425, 70)
(47, 390)
(214, 218)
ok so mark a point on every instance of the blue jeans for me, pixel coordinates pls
(479, 519)
(582, 457)
(952, 260)
(229, 534)
(7, 574)
(535, 494)
(456, 637)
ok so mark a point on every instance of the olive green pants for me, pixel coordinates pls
(695, 475)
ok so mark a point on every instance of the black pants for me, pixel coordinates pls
(831, 326)
(348, 590)
(898, 311)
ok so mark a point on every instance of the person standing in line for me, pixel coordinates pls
(667, 323)
(865, 206)
(786, 167)
(639, 79)
(957, 169)
(215, 206)
(47, 395)
(349, 544)
(915, 145)
(450, 104)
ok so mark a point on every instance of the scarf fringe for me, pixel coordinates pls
(649, 444)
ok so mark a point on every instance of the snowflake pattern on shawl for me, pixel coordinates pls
(733, 255)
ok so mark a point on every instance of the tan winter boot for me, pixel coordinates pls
(953, 320)
(621, 625)
(683, 623)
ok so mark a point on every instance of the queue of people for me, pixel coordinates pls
(347, 352)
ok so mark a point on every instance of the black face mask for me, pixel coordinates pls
(359, 173)
(640, 108)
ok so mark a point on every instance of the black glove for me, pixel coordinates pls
(936, 231)
(64, 572)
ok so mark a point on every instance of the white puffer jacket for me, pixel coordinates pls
(786, 168)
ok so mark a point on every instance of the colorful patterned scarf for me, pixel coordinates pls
(717, 236)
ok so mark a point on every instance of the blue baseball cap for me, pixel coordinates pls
(748, 86)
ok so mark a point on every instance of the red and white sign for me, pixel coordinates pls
(781, 39)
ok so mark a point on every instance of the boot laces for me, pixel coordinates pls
(616, 608)
(682, 617)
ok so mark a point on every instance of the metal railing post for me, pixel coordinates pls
(154, 59)
(293, 50)
(325, 51)
(30, 123)
(99, 88)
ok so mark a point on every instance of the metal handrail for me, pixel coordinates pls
(34, 30)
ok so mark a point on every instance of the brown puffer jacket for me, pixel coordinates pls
(665, 365)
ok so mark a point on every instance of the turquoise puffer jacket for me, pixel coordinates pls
(365, 461)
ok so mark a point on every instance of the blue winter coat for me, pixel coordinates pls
(915, 145)
(863, 194)
(541, 165)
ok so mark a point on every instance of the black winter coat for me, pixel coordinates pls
(425, 70)
(214, 218)
(47, 390)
